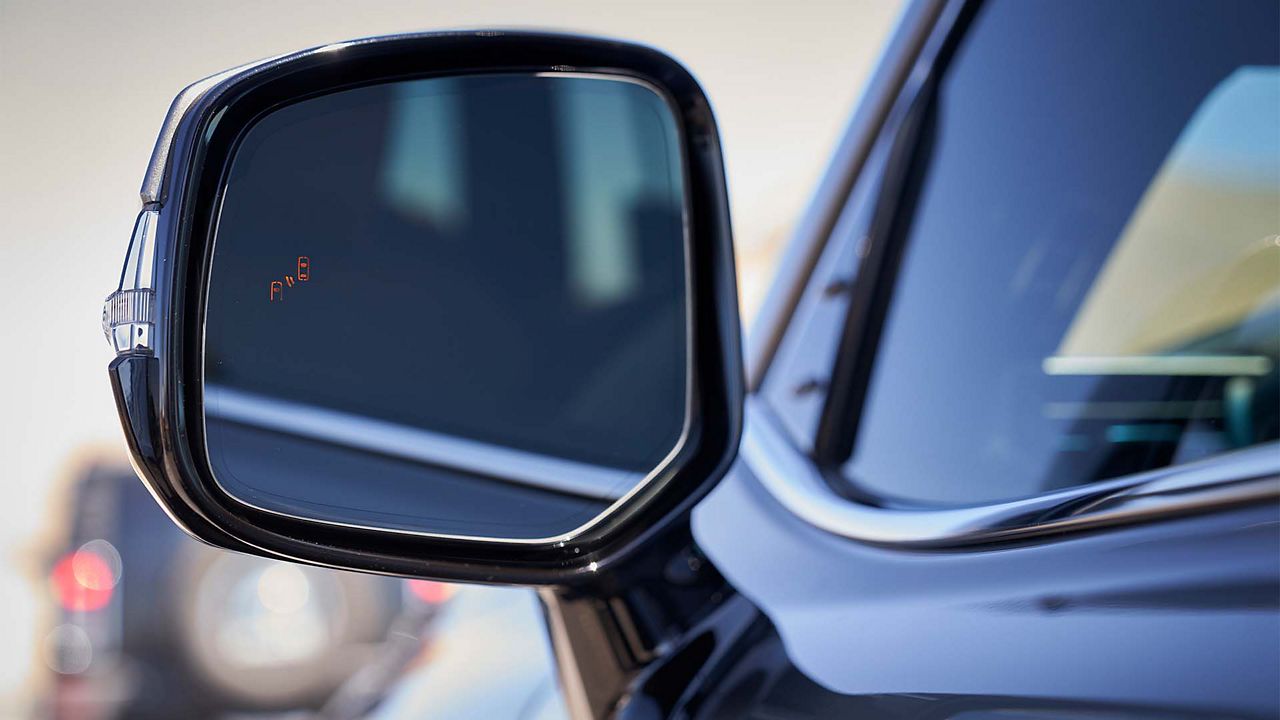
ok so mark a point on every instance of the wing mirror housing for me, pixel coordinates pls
(456, 305)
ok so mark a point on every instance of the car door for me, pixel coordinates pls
(1015, 449)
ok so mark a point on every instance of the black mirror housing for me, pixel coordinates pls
(156, 319)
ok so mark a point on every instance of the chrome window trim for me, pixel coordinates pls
(1243, 476)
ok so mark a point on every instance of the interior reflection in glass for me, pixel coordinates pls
(1091, 292)
(485, 273)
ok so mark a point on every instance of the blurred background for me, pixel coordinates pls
(106, 610)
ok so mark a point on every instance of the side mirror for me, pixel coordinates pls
(451, 305)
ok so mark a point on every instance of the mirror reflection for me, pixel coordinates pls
(453, 305)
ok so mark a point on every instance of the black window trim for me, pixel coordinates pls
(809, 484)
(907, 135)
(820, 221)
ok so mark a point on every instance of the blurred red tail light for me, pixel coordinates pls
(83, 581)
(429, 591)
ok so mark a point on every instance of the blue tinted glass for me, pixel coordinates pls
(1091, 280)
(484, 273)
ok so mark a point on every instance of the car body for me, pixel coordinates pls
(1162, 604)
(1010, 443)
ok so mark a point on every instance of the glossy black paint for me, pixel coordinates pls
(696, 667)
(1171, 619)
(159, 399)
(133, 382)
(735, 666)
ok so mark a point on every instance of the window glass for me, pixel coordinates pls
(1090, 285)
(450, 305)
(496, 253)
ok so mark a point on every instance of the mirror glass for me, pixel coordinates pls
(453, 306)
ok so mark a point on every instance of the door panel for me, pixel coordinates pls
(1174, 616)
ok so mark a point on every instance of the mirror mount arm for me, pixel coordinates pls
(612, 637)
(594, 664)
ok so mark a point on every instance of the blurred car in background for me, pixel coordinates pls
(148, 620)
